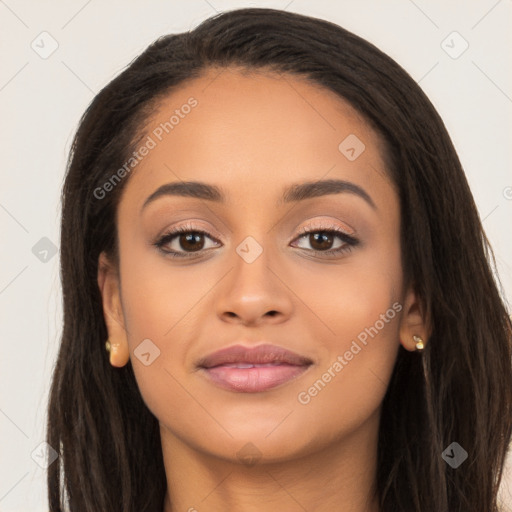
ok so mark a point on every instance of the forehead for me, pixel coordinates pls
(253, 132)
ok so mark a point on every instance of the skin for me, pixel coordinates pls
(254, 134)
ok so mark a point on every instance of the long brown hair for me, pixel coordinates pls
(458, 390)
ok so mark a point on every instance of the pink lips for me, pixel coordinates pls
(251, 370)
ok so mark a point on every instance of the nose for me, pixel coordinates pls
(254, 293)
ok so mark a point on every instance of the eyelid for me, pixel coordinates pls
(190, 226)
(328, 225)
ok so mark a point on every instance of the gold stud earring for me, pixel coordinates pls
(107, 345)
(419, 343)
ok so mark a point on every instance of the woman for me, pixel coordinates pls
(277, 291)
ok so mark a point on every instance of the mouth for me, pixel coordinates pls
(253, 370)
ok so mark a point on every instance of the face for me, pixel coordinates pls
(313, 270)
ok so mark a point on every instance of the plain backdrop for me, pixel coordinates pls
(42, 97)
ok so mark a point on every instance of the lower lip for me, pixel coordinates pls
(253, 380)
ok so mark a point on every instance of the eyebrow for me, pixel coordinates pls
(294, 193)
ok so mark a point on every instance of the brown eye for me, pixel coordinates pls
(185, 242)
(191, 241)
(326, 242)
(321, 241)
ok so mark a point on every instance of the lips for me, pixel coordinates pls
(262, 354)
(252, 370)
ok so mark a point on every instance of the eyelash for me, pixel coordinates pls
(349, 241)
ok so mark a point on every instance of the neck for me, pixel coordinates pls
(341, 476)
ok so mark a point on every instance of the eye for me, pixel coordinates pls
(187, 241)
(328, 240)
(184, 241)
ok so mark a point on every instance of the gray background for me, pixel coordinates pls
(42, 99)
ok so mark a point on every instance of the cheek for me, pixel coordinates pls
(160, 296)
(346, 298)
(162, 310)
(360, 310)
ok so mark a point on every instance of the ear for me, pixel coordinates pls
(108, 283)
(413, 322)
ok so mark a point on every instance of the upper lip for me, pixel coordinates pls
(261, 354)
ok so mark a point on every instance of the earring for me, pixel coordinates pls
(419, 343)
(107, 345)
